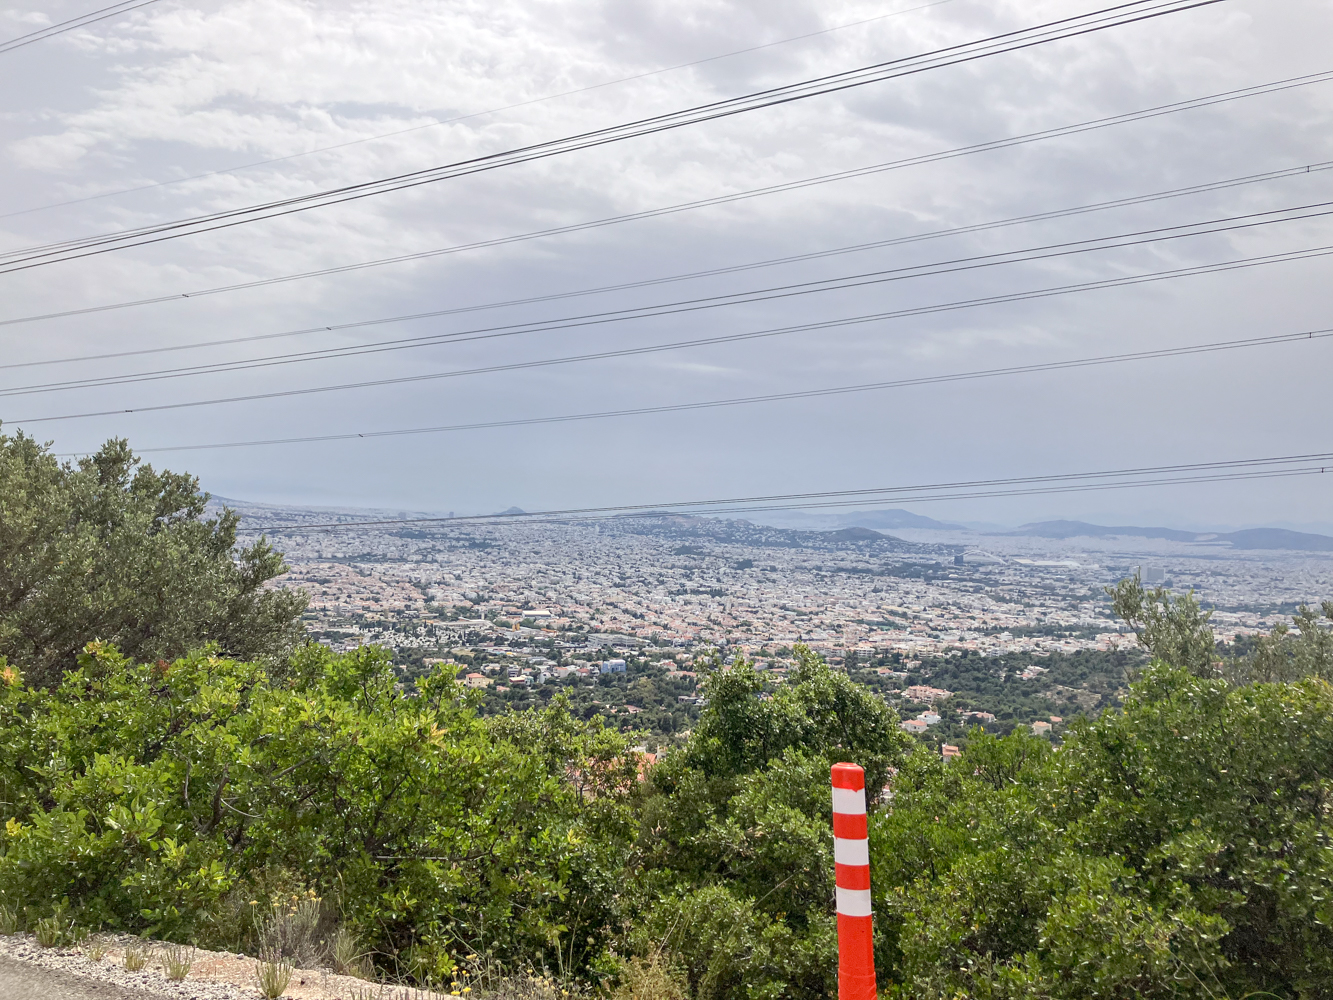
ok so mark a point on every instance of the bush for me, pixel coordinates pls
(1180, 848)
(649, 979)
(180, 785)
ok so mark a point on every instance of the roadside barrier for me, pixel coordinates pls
(851, 856)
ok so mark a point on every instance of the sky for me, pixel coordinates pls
(180, 109)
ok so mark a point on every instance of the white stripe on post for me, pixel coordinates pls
(851, 852)
(847, 800)
(854, 902)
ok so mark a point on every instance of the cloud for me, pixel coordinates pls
(51, 152)
(171, 93)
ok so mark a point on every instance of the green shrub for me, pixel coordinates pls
(174, 788)
(1177, 849)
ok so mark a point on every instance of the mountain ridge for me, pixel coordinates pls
(1245, 539)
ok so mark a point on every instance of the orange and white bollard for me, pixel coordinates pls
(851, 857)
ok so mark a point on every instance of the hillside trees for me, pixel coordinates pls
(1175, 629)
(160, 798)
(735, 857)
(1180, 848)
(110, 549)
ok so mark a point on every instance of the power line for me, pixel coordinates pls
(1304, 170)
(788, 290)
(1268, 467)
(1117, 282)
(1117, 16)
(474, 114)
(1308, 336)
(76, 22)
(996, 144)
(991, 494)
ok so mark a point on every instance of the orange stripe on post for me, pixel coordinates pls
(852, 876)
(848, 776)
(849, 827)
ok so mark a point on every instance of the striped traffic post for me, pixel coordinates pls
(851, 862)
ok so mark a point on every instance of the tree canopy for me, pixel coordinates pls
(1180, 847)
(110, 549)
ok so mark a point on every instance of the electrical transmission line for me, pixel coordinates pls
(1009, 297)
(1117, 16)
(75, 22)
(474, 114)
(1271, 175)
(1280, 466)
(789, 290)
(1309, 336)
(1100, 123)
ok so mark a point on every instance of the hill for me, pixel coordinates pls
(1249, 538)
(895, 518)
(857, 535)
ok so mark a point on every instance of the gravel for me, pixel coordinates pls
(24, 948)
(215, 975)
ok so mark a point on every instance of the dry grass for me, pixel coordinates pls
(650, 979)
(51, 932)
(291, 929)
(177, 959)
(348, 958)
(273, 974)
(136, 958)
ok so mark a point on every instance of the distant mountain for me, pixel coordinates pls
(692, 529)
(856, 535)
(1249, 538)
(895, 518)
(1081, 529)
(1278, 538)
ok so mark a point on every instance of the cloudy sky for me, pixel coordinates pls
(180, 109)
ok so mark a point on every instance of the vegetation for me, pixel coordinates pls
(272, 975)
(177, 960)
(1179, 847)
(1086, 682)
(643, 700)
(109, 549)
(310, 808)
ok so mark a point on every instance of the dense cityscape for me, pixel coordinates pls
(993, 629)
(694, 582)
